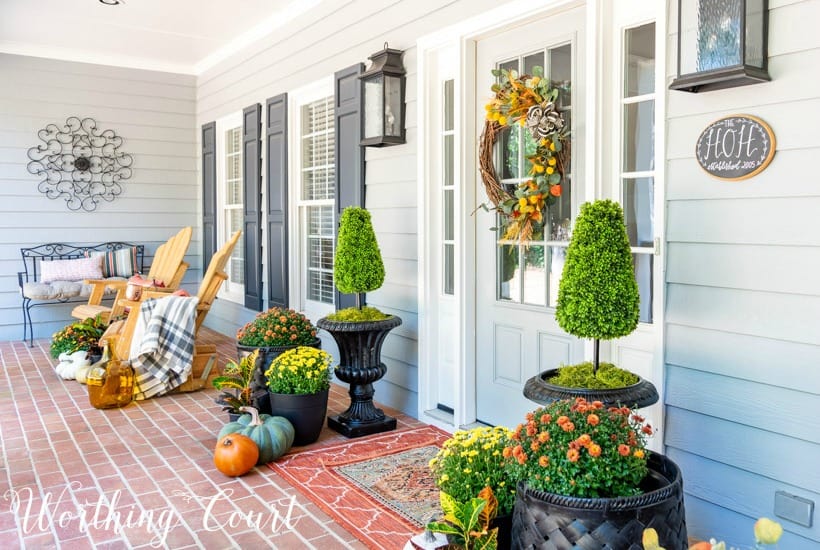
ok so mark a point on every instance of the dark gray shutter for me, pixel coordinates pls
(276, 115)
(208, 193)
(349, 154)
(252, 204)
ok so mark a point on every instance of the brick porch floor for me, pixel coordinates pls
(73, 476)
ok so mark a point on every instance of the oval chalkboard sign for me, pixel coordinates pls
(735, 147)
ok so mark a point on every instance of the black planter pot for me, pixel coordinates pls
(306, 412)
(504, 525)
(259, 385)
(360, 364)
(641, 394)
(554, 522)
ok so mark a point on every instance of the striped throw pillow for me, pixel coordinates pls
(117, 263)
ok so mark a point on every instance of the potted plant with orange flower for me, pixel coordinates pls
(585, 465)
(273, 332)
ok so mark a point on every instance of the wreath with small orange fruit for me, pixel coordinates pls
(530, 101)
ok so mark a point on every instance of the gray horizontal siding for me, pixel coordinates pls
(742, 300)
(737, 529)
(154, 113)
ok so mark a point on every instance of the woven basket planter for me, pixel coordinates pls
(640, 394)
(547, 521)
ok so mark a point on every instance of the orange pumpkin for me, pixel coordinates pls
(235, 455)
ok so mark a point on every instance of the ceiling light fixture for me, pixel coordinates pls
(112, 2)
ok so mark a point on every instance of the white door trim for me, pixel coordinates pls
(463, 36)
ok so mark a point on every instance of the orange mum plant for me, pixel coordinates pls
(529, 101)
(580, 449)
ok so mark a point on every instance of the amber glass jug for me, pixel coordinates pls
(111, 384)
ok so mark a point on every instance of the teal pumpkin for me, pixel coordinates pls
(272, 434)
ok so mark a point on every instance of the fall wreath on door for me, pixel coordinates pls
(531, 102)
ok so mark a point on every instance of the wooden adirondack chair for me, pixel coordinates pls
(204, 354)
(168, 266)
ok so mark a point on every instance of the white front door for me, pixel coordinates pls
(517, 286)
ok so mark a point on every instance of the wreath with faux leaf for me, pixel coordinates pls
(530, 101)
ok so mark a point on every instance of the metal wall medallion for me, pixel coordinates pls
(79, 163)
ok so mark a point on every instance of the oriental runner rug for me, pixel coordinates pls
(378, 487)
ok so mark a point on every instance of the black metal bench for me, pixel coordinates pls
(35, 293)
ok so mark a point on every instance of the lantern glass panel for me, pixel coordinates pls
(754, 33)
(392, 105)
(710, 35)
(373, 107)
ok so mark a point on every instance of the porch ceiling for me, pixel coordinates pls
(185, 36)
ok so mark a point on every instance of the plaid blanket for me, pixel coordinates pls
(162, 350)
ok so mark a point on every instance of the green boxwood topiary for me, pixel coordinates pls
(358, 265)
(598, 295)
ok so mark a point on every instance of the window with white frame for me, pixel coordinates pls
(638, 155)
(448, 189)
(229, 201)
(316, 198)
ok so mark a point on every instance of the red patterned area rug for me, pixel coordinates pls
(378, 487)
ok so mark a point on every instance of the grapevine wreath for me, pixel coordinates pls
(529, 101)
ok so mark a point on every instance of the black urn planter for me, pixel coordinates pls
(555, 522)
(641, 394)
(360, 365)
(259, 385)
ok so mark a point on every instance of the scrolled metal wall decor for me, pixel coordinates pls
(79, 163)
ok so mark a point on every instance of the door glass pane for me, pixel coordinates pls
(557, 256)
(448, 160)
(643, 274)
(532, 61)
(509, 65)
(640, 61)
(509, 149)
(449, 222)
(508, 273)
(449, 98)
(639, 210)
(449, 269)
(639, 136)
(560, 72)
(535, 284)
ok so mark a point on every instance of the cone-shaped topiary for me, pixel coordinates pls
(598, 295)
(358, 265)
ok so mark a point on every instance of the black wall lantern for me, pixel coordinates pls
(383, 99)
(721, 44)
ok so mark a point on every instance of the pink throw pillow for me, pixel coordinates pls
(71, 270)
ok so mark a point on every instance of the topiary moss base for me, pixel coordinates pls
(582, 376)
(354, 314)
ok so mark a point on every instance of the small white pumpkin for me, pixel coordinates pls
(69, 363)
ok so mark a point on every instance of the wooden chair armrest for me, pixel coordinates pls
(97, 290)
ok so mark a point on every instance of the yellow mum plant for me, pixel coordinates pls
(301, 370)
(471, 460)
